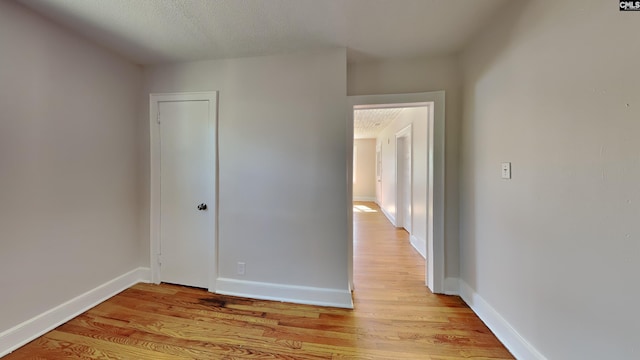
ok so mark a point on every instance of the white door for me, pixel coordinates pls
(187, 191)
(379, 173)
(404, 173)
(406, 186)
(399, 182)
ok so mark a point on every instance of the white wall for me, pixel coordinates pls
(364, 186)
(554, 87)
(282, 171)
(423, 75)
(68, 206)
(417, 117)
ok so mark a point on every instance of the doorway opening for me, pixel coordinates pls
(408, 159)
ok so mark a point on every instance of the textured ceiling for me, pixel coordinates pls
(368, 123)
(161, 31)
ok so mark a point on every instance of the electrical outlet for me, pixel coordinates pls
(506, 170)
(241, 268)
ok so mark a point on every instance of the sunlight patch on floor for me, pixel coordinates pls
(363, 208)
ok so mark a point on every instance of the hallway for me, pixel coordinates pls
(392, 301)
(395, 317)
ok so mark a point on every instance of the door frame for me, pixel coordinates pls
(155, 161)
(405, 132)
(435, 101)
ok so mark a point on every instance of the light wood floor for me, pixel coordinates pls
(395, 317)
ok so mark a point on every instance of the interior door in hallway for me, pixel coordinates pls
(406, 186)
(187, 191)
(403, 179)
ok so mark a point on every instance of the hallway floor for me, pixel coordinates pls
(390, 294)
(395, 317)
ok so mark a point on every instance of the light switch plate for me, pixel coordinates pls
(506, 170)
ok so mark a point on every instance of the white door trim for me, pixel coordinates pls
(154, 133)
(435, 100)
(400, 214)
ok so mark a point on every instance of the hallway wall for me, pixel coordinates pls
(416, 117)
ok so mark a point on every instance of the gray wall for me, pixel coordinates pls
(68, 178)
(554, 87)
(282, 165)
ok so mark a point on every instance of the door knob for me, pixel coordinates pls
(202, 206)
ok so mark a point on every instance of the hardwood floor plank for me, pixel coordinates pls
(395, 317)
(187, 348)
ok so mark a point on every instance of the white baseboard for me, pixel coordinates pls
(451, 286)
(364, 198)
(391, 218)
(512, 340)
(286, 293)
(23, 333)
(420, 245)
